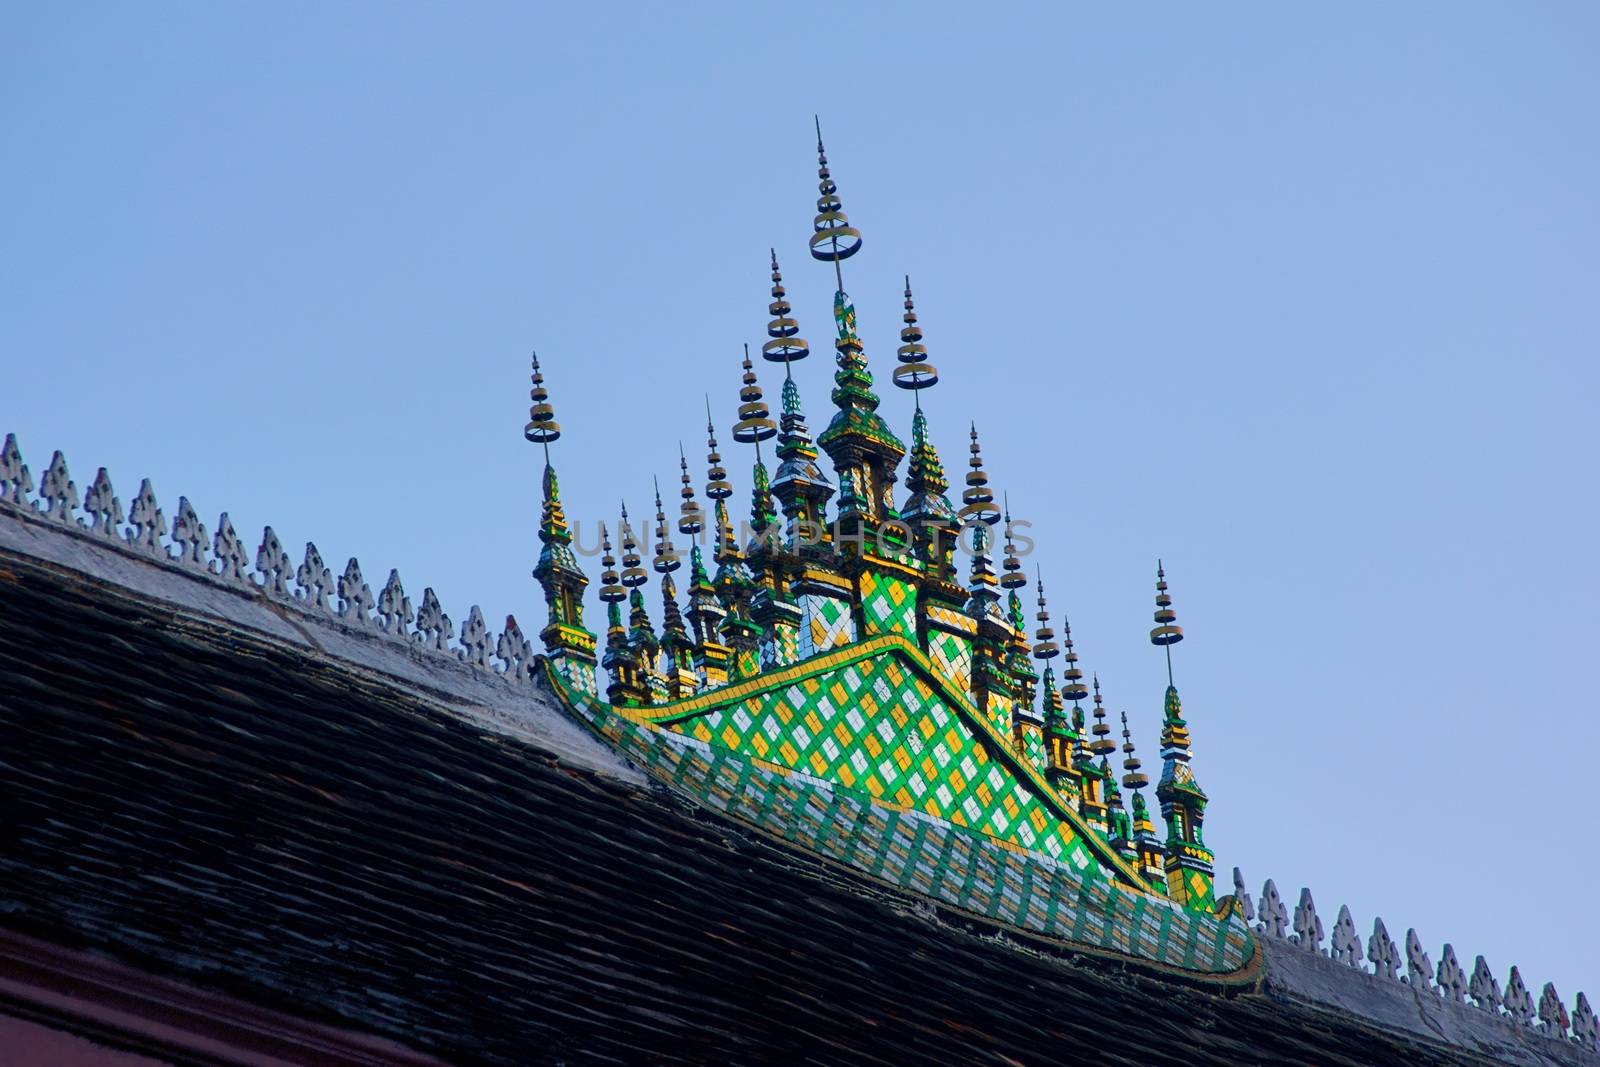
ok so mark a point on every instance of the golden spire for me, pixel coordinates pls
(1044, 638)
(833, 239)
(691, 519)
(1134, 778)
(977, 499)
(915, 372)
(785, 345)
(1102, 744)
(611, 591)
(1013, 578)
(1166, 632)
(666, 555)
(633, 574)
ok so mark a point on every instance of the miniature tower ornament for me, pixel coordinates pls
(1183, 802)
(570, 647)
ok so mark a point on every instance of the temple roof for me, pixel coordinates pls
(258, 796)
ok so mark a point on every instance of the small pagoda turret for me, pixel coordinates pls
(1027, 724)
(677, 648)
(1059, 740)
(570, 647)
(1148, 853)
(1189, 863)
(627, 685)
(1095, 800)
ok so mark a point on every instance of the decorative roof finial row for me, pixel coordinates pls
(187, 546)
(1447, 980)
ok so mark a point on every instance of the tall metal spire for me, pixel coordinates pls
(666, 558)
(542, 426)
(1014, 578)
(784, 344)
(1133, 778)
(691, 519)
(611, 590)
(865, 452)
(833, 239)
(1102, 745)
(1044, 638)
(633, 574)
(1166, 633)
(978, 499)
(754, 426)
(799, 484)
(915, 372)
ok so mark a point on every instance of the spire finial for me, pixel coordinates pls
(717, 487)
(611, 590)
(542, 427)
(666, 555)
(1072, 674)
(785, 345)
(633, 574)
(915, 372)
(1014, 577)
(978, 499)
(1166, 632)
(1133, 778)
(1102, 745)
(691, 519)
(833, 239)
(1044, 638)
(755, 423)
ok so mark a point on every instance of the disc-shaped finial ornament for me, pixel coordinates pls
(691, 520)
(666, 555)
(633, 574)
(1166, 631)
(611, 590)
(785, 344)
(542, 426)
(1102, 744)
(977, 499)
(1044, 638)
(1013, 576)
(832, 236)
(914, 370)
(717, 485)
(1072, 677)
(755, 422)
(1134, 778)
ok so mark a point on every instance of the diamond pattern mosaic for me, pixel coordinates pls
(825, 623)
(876, 726)
(888, 604)
(951, 866)
(952, 658)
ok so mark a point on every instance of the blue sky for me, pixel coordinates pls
(1301, 299)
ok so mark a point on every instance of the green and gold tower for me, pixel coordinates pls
(569, 646)
(1189, 862)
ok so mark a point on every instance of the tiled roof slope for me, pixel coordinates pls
(389, 847)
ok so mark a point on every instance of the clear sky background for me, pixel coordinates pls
(1301, 299)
